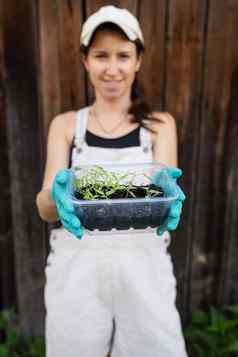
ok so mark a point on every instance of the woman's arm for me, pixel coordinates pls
(165, 142)
(46, 206)
(165, 151)
(58, 147)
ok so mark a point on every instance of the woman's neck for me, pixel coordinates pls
(110, 109)
(110, 119)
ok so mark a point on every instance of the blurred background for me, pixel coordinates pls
(190, 69)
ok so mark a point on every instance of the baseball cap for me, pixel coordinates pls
(120, 17)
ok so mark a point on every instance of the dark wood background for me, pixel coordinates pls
(191, 70)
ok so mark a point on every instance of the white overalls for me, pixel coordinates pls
(108, 292)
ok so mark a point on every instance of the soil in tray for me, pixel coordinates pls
(134, 192)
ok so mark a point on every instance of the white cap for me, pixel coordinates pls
(121, 17)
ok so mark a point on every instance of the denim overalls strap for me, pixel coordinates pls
(81, 128)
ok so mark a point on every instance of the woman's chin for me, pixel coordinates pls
(112, 95)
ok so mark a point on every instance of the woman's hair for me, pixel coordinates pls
(140, 109)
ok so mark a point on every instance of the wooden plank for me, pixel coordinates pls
(24, 163)
(7, 281)
(227, 284)
(49, 66)
(153, 66)
(184, 59)
(227, 287)
(2, 65)
(72, 76)
(208, 228)
(94, 5)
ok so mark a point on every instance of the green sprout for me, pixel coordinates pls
(99, 183)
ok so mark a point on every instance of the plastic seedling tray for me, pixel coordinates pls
(118, 197)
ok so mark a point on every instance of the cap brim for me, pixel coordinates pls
(130, 34)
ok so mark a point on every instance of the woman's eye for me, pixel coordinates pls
(124, 56)
(104, 56)
(101, 56)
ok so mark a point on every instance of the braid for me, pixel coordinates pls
(140, 109)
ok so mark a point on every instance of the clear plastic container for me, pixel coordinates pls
(119, 214)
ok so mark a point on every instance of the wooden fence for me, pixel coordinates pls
(190, 70)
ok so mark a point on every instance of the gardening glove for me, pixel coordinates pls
(65, 208)
(166, 178)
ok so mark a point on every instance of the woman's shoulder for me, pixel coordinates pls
(164, 138)
(163, 119)
(64, 124)
(163, 122)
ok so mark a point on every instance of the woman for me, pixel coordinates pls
(102, 294)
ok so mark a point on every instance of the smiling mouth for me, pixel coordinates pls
(112, 82)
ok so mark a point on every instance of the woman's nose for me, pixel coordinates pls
(112, 67)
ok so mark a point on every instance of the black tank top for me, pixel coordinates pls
(127, 140)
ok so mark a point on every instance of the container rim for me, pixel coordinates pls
(121, 200)
(112, 201)
(129, 165)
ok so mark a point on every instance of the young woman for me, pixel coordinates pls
(110, 294)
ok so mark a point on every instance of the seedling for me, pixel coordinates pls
(99, 183)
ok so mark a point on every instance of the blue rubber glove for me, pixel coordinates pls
(166, 178)
(64, 207)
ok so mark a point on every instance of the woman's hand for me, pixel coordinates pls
(166, 178)
(64, 207)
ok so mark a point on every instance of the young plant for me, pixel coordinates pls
(99, 183)
(12, 341)
(213, 333)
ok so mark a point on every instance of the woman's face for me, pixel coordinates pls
(112, 62)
